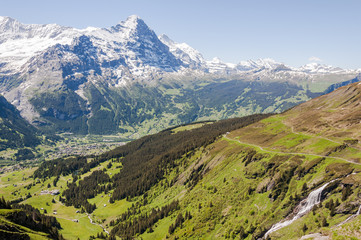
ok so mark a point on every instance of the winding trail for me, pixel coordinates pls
(320, 137)
(58, 201)
(94, 223)
(291, 153)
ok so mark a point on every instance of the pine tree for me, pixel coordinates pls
(304, 228)
(304, 187)
(324, 222)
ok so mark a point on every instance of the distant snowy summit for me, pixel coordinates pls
(127, 51)
(194, 59)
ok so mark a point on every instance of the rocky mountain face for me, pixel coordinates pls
(125, 79)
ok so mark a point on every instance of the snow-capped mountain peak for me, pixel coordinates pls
(264, 63)
(216, 60)
(130, 46)
(267, 63)
(19, 42)
(320, 68)
(10, 26)
(188, 55)
(132, 21)
(131, 42)
(166, 40)
(6, 20)
(131, 26)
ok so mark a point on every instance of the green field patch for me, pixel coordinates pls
(320, 145)
(41, 201)
(102, 108)
(173, 91)
(291, 140)
(12, 183)
(189, 127)
(160, 229)
(116, 167)
(83, 229)
(274, 124)
(110, 211)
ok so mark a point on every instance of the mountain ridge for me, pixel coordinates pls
(131, 28)
(95, 75)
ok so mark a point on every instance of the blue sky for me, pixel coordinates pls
(292, 31)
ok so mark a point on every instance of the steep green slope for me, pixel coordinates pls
(233, 179)
(15, 132)
(17, 136)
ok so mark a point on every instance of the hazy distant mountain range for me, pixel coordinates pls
(126, 79)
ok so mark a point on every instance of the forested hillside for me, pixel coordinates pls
(15, 132)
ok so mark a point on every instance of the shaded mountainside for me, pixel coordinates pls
(231, 179)
(15, 132)
(335, 86)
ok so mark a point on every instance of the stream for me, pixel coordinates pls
(350, 217)
(304, 207)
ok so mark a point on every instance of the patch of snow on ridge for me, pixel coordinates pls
(320, 68)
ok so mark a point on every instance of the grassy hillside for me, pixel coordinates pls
(25, 222)
(232, 179)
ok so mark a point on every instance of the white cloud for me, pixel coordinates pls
(314, 59)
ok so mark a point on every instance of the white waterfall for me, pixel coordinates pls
(350, 217)
(304, 207)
